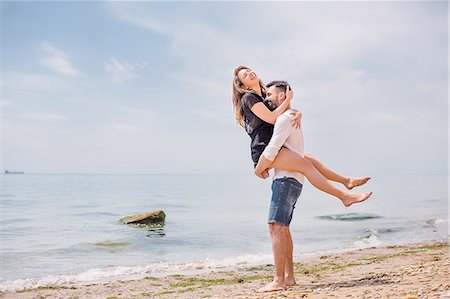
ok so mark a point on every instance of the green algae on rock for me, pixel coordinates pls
(151, 219)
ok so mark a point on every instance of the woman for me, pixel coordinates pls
(253, 113)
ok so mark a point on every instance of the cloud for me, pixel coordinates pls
(124, 126)
(117, 9)
(21, 82)
(5, 103)
(56, 60)
(219, 116)
(191, 36)
(203, 83)
(137, 110)
(44, 116)
(131, 119)
(140, 112)
(122, 71)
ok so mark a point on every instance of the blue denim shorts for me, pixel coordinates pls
(285, 192)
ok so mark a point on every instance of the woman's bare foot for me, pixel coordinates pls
(355, 182)
(272, 287)
(351, 198)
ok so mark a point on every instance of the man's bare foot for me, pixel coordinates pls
(355, 182)
(352, 198)
(290, 281)
(272, 287)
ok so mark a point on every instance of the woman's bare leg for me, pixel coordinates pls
(290, 161)
(348, 182)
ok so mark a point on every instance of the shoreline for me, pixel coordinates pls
(386, 271)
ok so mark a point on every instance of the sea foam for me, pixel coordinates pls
(98, 275)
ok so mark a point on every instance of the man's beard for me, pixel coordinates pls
(271, 105)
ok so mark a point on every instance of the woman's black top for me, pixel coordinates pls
(259, 131)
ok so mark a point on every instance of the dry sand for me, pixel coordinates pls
(418, 270)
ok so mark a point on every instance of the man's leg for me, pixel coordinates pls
(289, 268)
(348, 182)
(278, 235)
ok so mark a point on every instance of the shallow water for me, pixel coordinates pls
(63, 228)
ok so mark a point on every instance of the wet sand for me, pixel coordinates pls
(419, 270)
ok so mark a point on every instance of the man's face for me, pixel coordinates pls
(274, 96)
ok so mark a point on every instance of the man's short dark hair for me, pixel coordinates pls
(282, 85)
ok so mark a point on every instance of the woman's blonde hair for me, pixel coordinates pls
(238, 91)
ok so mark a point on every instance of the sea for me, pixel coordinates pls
(58, 229)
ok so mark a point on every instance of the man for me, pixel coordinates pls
(286, 188)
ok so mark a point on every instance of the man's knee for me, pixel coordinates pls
(275, 228)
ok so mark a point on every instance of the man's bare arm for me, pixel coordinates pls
(261, 169)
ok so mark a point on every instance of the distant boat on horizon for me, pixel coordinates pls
(13, 172)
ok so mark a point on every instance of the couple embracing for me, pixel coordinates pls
(277, 142)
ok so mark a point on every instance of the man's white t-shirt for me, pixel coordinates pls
(284, 134)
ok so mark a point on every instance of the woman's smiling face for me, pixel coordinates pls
(248, 78)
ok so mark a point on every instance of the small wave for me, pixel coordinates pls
(97, 275)
(390, 230)
(350, 216)
(386, 230)
(368, 241)
(111, 244)
(84, 214)
(437, 222)
(105, 246)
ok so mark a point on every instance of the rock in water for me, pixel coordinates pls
(155, 218)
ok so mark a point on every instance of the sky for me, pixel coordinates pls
(145, 87)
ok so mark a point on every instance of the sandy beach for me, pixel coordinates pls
(419, 270)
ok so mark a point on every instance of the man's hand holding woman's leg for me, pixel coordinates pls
(264, 174)
(262, 168)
